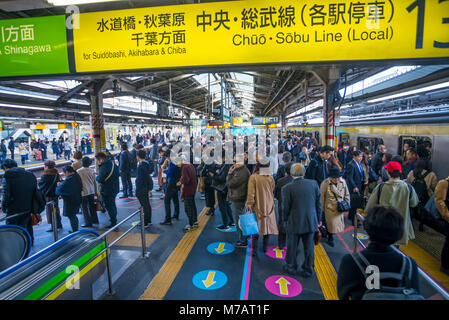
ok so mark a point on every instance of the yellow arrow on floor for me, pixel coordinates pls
(283, 285)
(210, 279)
(220, 248)
(279, 252)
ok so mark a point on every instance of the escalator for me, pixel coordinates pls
(66, 269)
(15, 245)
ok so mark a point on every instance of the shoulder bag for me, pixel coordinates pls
(343, 205)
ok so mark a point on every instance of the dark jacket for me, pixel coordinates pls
(301, 206)
(351, 281)
(143, 178)
(111, 186)
(3, 148)
(280, 173)
(376, 162)
(153, 152)
(188, 180)
(237, 183)
(54, 147)
(19, 186)
(173, 173)
(48, 182)
(205, 173)
(11, 145)
(317, 170)
(124, 163)
(353, 177)
(220, 176)
(70, 191)
(133, 154)
(344, 158)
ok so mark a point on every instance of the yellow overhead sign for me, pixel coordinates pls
(247, 32)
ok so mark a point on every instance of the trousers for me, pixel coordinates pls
(144, 201)
(126, 183)
(111, 208)
(225, 209)
(190, 209)
(89, 209)
(171, 194)
(237, 210)
(293, 253)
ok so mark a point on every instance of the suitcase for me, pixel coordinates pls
(38, 155)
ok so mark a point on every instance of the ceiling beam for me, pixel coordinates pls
(164, 82)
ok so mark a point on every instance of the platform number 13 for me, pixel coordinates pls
(421, 5)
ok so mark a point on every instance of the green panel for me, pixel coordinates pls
(63, 275)
(33, 46)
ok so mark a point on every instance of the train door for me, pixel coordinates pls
(422, 144)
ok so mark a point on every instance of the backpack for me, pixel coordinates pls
(420, 187)
(403, 291)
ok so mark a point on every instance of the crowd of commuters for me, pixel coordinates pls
(308, 189)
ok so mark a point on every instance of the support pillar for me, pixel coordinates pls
(96, 117)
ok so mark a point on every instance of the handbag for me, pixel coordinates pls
(36, 219)
(248, 224)
(202, 184)
(317, 237)
(357, 201)
(343, 205)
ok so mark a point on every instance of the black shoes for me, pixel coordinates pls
(166, 223)
(123, 197)
(305, 274)
(86, 226)
(210, 212)
(286, 269)
(241, 245)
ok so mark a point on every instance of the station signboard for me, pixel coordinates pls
(194, 122)
(214, 123)
(33, 46)
(265, 120)
(260, 32)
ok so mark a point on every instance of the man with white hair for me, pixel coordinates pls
(188, 183)
(301, 209)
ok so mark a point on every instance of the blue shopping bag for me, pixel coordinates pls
(248, 224)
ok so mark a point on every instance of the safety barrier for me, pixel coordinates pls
(429, 280)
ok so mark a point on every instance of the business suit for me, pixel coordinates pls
(301, 209)
(277, 193)
(355, 179)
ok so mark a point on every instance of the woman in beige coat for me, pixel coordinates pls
(260, 200)
(334, 189)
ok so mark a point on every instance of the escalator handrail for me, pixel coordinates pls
(45, 250)
(23, 229)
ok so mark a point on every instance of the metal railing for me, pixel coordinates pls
(104, 237)
(425, 276)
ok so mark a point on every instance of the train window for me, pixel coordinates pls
(368, 144)
(422, 145)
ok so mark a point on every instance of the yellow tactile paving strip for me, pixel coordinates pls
(165, 277)
(325, 273)
(426, 262)
(131, 239)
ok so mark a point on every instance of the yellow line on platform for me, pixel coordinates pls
(325, 273)
(426, 262)
(163, 280)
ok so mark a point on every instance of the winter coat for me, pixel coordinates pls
(143, 177)
(48, 182)
(430, 180)
(188, 179)
(317, 170)
(441, 199)
(334, 219)
(261, 200)
(397, 194)
(77, 165)
(23, 149)
(89, 183)
(301, 206)
(124, 161)
(70, 191)
(237, 183)
(17, 192)
(110, 186)
(205, 173)
(220, 176)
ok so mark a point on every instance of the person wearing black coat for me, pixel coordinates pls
(11, 147)
(318, 169)
(344, 155)
(209, 192)
(376, 161)
(355, 178)
(384, 226)
(219, 183)
(125, 172)
(70, 191)
(144, 185)
(43, 148)
(108, 178)
(47, 185)
(18, 188)
(278, 194)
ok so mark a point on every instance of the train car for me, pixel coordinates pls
(394, 133)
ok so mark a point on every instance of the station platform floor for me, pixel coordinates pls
(204, 264)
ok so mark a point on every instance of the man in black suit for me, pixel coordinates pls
(125, 172)
(278, 194)
(301, 209)
(355, 178)
(318, 168)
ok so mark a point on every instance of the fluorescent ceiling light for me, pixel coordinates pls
(25, 107)
(70, 2)
(112, 114)
(84, 112)
(408, 93)
(24, 94)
